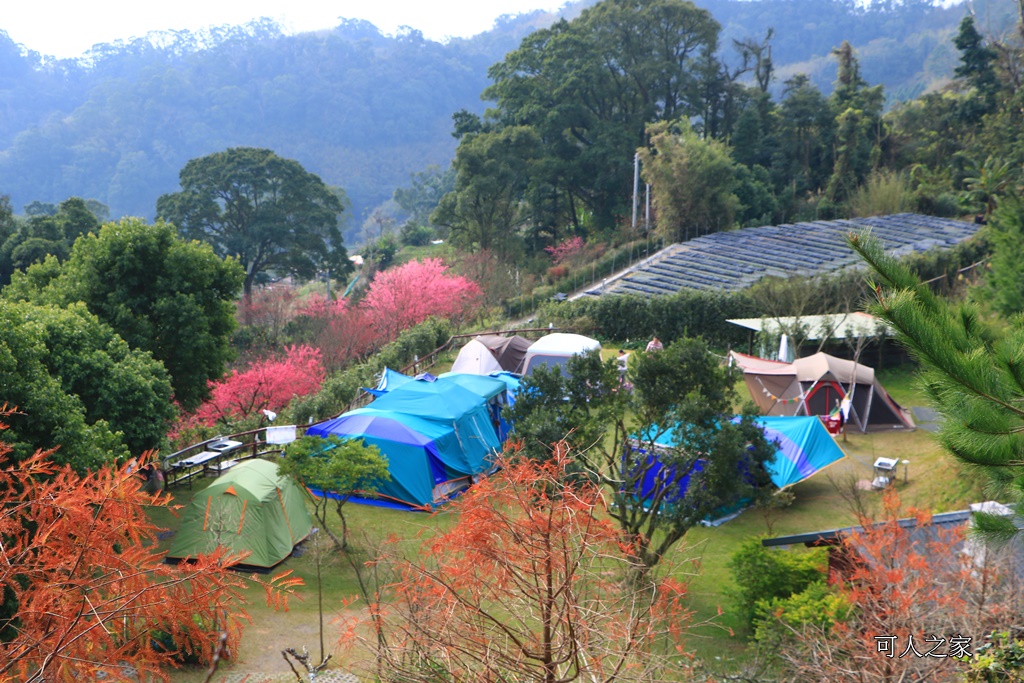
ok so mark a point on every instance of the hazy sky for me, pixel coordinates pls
(67, 28)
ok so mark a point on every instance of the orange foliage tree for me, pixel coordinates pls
(79, 560)
(920, 593)
(530, 584)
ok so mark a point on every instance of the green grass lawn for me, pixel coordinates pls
(933, 481)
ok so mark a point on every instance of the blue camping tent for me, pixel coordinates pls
(427, 460)
(444, 401)
(494, 390)
(802, 447)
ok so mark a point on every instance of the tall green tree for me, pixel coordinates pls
(160, 293)
(487, 207)
(970, 370)
(48, 414)
(803, 161)
(680, 408)
(588, 88)
(857, 111)
(268, 213)
(977, 68)
(692, 181)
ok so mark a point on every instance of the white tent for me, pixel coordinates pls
(476, 359)
(556, 349)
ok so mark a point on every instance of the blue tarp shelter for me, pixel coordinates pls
(494, 390)
(428, 459)
(389, 379)
(513, 382)
(803, 447)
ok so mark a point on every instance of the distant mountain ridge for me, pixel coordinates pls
(361, 109)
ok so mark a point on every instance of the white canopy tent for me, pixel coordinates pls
(556, 349)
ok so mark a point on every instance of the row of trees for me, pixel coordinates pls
(359, 108)
(721, 146)
(169, 302)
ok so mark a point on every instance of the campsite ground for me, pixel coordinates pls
(934, 482)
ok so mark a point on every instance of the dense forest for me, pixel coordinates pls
(361, 109)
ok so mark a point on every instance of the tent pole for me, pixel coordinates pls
(867, 411)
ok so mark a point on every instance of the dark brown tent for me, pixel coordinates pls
(509, 351)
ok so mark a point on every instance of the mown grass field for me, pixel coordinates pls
(933, 481)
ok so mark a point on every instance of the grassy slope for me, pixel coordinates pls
(935, 482)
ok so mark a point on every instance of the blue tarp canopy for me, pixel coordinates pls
(494, 390)
(389, 379)
(444, 401)
(436, 400)
(428, 459)
(802, 447)
(481, 385)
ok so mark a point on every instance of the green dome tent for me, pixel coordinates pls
(251, 508)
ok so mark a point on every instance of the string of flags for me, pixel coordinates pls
(778, 399)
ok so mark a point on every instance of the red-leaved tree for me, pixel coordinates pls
(532, 583)
(401, 297)
(566, 250)
(268, 384)
(343, 332)
(79, 563)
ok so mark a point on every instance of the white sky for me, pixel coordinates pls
(67, 28)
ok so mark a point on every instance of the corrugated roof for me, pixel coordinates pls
(840, 325)
(739, 258)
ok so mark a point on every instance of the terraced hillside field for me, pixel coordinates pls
(737, 259)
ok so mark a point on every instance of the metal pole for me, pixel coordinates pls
(636, 184)
(647, 209)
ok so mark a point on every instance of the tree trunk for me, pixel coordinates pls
(344, 527)
(321, 516)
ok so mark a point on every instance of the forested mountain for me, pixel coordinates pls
(360, 109)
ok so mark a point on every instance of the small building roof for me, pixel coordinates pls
(841, 325)
(833, 536)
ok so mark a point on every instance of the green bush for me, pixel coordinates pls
(817, 605)
(690, 313)
(763, 574)
(415, 235)
(1000, 660)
